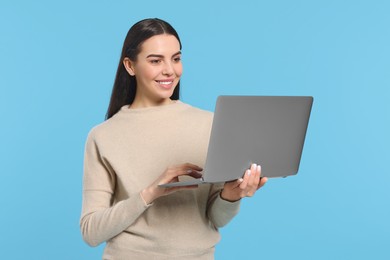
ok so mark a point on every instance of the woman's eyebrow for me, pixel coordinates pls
(161, 56)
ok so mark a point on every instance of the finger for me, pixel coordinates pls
(172, 173)
(245, 180)
(263, 180)
(191, 170)
(185, 169)
(253, 181)
(257, 177)
(191, 166)
(253, 176)
(192, 173)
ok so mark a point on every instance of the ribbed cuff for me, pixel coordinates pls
(143, 200)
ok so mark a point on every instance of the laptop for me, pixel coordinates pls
(266, 130)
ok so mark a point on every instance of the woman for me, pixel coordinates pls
(149, 138)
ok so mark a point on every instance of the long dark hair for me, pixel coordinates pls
(125, 86)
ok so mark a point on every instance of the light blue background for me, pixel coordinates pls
(57, 64)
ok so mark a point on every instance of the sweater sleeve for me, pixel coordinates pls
(220, 211)
(100, 219)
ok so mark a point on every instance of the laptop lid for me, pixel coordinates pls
(266, 130)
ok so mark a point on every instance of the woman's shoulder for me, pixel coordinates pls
(194, 117)
(105, 129)
(198, 112)
(98, 131)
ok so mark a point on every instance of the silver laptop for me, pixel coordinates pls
(266, 130)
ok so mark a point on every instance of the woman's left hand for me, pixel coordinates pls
(245, 186)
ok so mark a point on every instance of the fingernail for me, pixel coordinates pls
(253, 165)
(189, 171)
(248, 172)
(258, 168)
(240, 180)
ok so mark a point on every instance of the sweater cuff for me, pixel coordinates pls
(135, 205)
(143, 200)
(231, 206)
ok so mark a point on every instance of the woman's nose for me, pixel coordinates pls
(168, 68)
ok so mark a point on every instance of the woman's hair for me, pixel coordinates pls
(125, 86)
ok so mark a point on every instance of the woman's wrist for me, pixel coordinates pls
(147, 195)
(228, 197)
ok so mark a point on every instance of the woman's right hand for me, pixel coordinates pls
(171, 174)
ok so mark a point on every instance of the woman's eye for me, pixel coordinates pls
(177, 59)
(155, 61)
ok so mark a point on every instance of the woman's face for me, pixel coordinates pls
(157, 70)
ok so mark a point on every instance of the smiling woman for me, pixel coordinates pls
(157, 70)
(151, 138)
(125, 85)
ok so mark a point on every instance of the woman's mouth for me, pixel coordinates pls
(167, 84)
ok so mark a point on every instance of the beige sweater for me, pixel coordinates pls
(127, 153)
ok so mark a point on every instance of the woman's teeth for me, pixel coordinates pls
(165, 82)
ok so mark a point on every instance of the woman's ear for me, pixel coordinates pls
(128, 66)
